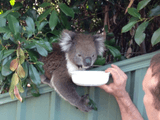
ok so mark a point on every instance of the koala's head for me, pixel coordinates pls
(81, 49)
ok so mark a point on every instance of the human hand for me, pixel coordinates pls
(117, 88)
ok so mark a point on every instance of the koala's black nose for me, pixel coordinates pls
(87, 61)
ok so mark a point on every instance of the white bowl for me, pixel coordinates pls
(90, 78)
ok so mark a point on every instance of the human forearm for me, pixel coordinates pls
(128, 109)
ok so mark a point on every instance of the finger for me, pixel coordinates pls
(106, 88)
(119, 70)
(114, 73)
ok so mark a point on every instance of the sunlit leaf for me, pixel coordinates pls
(134, 12)
(6, 69)
(19, 86)
(53, 20)
(20, 71)
(30, 25)
(22, 56)
(7, 53)
(142, 4)
(34, 75)
(42, 25)
(4, 29)
(14, 82)
(68, 11)
(155, 37)
(139, 35)
(13, 24)
(2, 21)
(155, 11)
(7, 35)
(14, 64)
(42, 51)
(127, 27)
(115, 52)
(25, 67)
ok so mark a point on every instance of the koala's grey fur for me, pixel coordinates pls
(75, 51)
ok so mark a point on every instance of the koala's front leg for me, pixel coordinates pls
(64, 86)
(45, 80)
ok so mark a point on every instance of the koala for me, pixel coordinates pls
(76, 51)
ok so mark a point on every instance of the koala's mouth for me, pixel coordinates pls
(82, 67)
(79, 66)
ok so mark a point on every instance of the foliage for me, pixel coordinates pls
(144, 22)
(23, 39)
(28, 28)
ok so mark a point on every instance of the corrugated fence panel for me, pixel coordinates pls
(49, 106)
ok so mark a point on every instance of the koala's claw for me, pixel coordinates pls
(84, 106)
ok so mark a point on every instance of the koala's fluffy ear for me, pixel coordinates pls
(99, 42)
(66, 40)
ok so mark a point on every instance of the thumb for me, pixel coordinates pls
(106, 88)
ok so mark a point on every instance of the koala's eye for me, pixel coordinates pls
(79, 55)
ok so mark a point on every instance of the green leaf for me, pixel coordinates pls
(127, 27)
(65, 9)
(25, 67)
(14, 82)
(32, 13)
(6, 69)
(7, 53)
(15, 79)
(155, 37)
(4, 29)
(33, 55)
(40, 27)
(64, 20)
(100, 61)
(21, 56)
(44, 15)
(1, 55)
(155, 11)
(45, 4)
(13, 24)
(142, 4)
(7, 35)
(18, 5)
(1, 79)
(2, 21)
(115, 52)
(53, 20)
(132, 19)
(44, 44)
(134, 12)
(30, 25)
(139, 35)
(6, 13)
(42, 51)
(39, 66)
(34, 75)
(15, 14)
(20, 71)
(19, 86)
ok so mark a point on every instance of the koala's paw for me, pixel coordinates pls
(84, 106)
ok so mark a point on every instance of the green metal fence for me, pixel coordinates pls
(49, 106)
